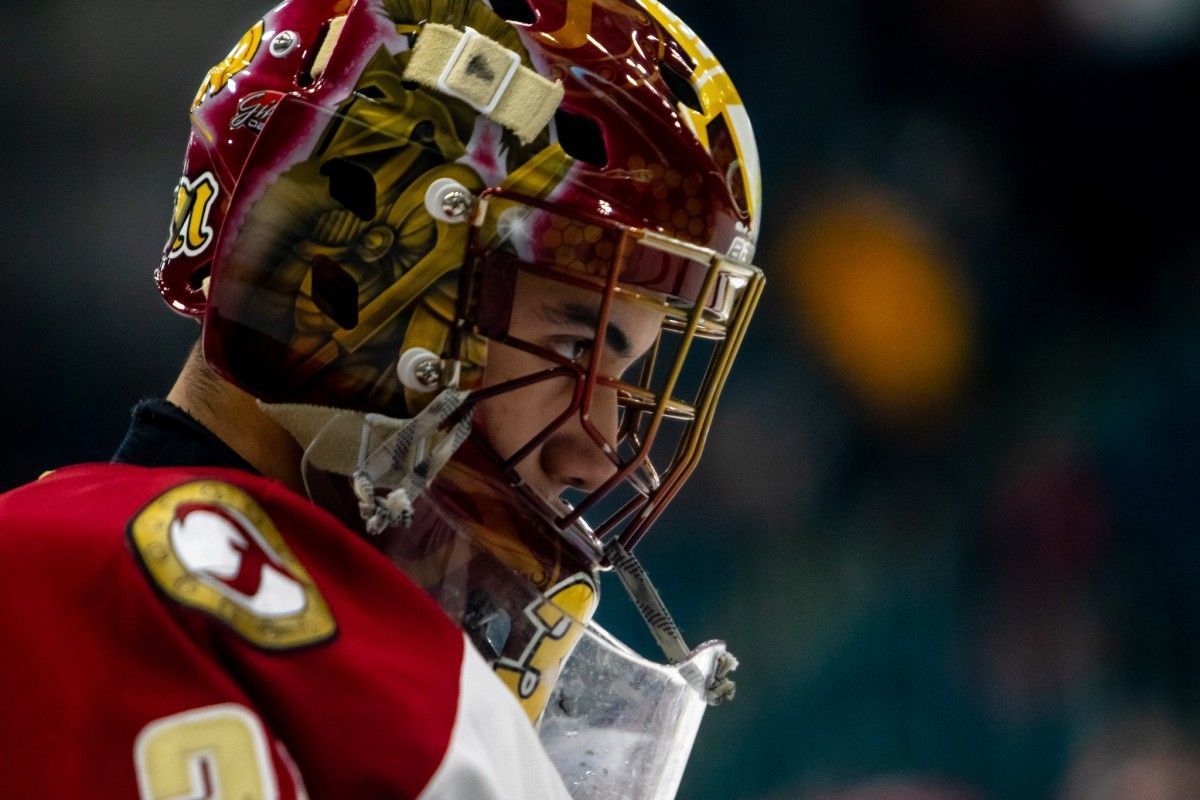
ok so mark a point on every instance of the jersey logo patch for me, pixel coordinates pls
(209, 546)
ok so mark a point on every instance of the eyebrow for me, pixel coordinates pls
(586, 316)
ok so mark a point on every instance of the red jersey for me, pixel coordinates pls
(198, 632)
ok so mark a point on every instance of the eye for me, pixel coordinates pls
(571, 348)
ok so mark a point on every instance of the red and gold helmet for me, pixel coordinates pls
(367, 179)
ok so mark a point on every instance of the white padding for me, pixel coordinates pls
(327, 47)
(339, 431)
(494, 753)
(486, 75)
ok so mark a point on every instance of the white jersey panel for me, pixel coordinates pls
(494, 752)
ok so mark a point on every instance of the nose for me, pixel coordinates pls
(571, 457)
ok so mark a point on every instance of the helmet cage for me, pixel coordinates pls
(704, 297)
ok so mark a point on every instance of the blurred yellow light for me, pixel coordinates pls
(878, 296)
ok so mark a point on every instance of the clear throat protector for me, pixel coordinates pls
(616, 725)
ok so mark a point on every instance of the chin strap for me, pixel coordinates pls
(415, 449)
(400, 455)
(719, 688)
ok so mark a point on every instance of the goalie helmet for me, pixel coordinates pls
(547, 207)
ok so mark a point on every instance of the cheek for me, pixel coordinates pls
(514, 417)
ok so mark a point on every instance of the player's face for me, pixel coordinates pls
(563, 319)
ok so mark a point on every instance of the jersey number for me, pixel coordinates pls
(205, 754)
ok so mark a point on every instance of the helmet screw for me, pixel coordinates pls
(284, 43)
(419, 369)
(448, 200)
(455, 204)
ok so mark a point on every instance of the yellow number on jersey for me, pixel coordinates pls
(214, 752)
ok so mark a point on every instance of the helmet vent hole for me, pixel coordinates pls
(322, 52)
(371, 92)
(724, 152)
(581, 138)
(335, 292)
(351, 185)
(305, 78)
(680, 87)
(514, 11)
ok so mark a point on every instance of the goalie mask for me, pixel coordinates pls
(490, 265)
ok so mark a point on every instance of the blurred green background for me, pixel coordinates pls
(948, 514)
